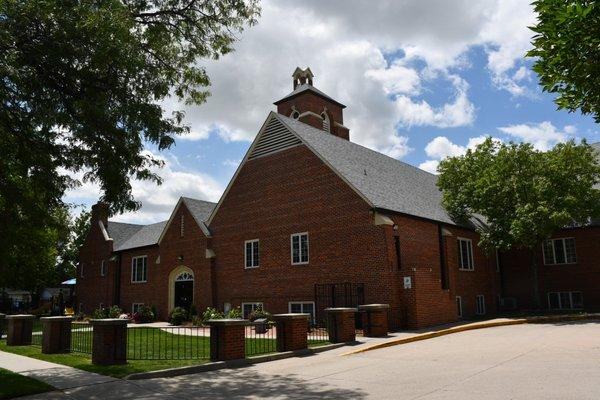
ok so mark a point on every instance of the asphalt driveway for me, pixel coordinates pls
(550, 361)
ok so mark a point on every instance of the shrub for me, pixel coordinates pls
(114, 312)
(259, 313)
(235, 313)
(178, 316)
(197, 320)
(107, 312)
(143, 315)
(211, 313)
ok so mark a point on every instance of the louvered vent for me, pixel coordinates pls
(275, 137)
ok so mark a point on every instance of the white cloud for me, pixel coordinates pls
(157, 201)
(377, 58)
(398, 147)
(441, 147)
(543, 135)
(231, 163)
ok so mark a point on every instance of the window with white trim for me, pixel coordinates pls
(135, 307)
(247, 308)
(559, 251)
(299, 248)
(139, 269)
(302, 307)
(103, 268)
(459, 310)
(565, 300)
(465, 254)
(251, 253)
(479, 304)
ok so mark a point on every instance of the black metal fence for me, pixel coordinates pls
(168, 343)
(36, 333)
(338, 295)
(261, 338)
(317, 333)
(81, 337)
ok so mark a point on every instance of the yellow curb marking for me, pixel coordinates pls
(469, 327)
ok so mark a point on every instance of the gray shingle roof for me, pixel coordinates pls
(129, 236)
(384, 181)
(120, 232)
(301, 88)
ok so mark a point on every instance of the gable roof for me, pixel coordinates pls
(131, 236)
(383, 182)
(119, 232)
(307, 87)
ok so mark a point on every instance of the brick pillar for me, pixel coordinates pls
(341, 324)
(375, 319)
(109, 343)
(19, 329)
(56, 334)
(227, 339)
(292, 331)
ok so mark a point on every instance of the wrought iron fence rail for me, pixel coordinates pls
(168, 343)
(261, 338)
(81, 337)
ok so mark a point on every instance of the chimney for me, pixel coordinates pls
(100, 212)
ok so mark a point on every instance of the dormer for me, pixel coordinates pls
(313, 107)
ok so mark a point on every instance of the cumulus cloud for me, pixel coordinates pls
(376, 58)
(442, 147)
(543, 135)
(157, 201)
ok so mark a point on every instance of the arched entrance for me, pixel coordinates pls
(181, 288)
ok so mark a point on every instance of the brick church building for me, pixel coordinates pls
(312, 220)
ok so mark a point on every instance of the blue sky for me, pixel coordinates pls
(421, 79)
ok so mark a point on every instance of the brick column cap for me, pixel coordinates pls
(291, 316)
(227, 322)
(373, 307)
(57, 318)
(340, 310)
(20, 316)
(109, 321)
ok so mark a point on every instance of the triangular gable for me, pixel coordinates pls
(275, 136)
(200, 224)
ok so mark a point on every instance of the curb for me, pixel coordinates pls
(470, 327)
(216, 365)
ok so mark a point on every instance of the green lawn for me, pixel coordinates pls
(15, 385)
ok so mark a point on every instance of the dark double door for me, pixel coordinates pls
(184, 294)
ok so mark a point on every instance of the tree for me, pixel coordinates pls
(517, 196)
(81, 91)
(567, 48)
(70, 241)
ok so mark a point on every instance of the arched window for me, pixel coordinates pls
(326, 124)
(184, 276)
(295, 114)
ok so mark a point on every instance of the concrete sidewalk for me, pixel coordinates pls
(72, 383)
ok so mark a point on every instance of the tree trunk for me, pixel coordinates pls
(536, 283)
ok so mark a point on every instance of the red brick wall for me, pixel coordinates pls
(584, 276)
(308, 101)
(93, 289)
(192, 247)
(290, 192)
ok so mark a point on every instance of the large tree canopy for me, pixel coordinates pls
(519, 196)
(81, 85)
(567, 48)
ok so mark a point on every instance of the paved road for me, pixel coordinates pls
(553, 361)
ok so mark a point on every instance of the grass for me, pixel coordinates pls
(15, 385)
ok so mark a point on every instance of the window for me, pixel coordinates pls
(398, 256)
(81, 270)
(295, 114)
(139, 269)
(459, 306)
(565, 300)
(465, 254)
(302, 307)
(479, 304)
(251, 253)
(135, 307)
(559, 251)
(247, 308)
(300, 248)
(103, 268)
